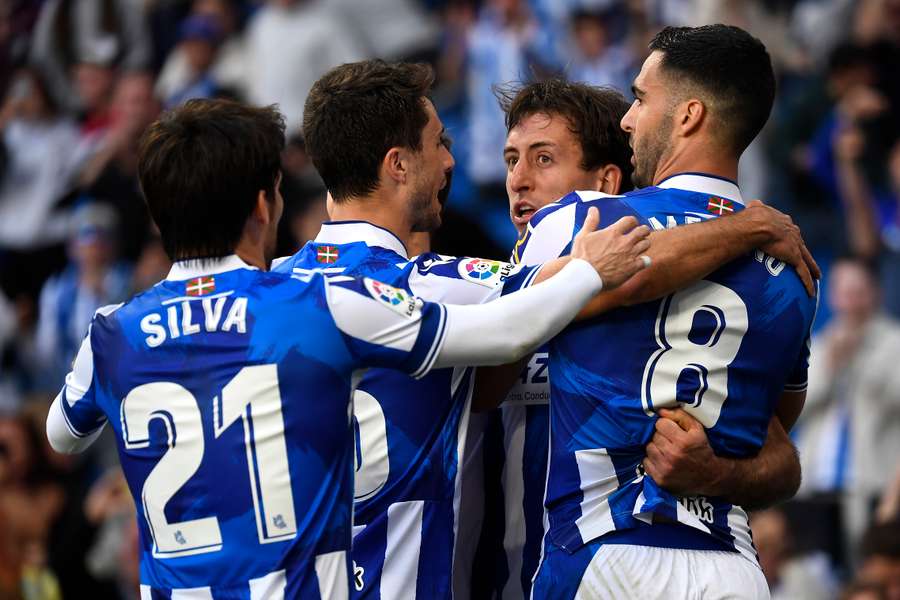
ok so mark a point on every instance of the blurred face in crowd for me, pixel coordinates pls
(649, 122)
(93, 84)
(770, 538)
(199, 54)
(852, 292)
(884, 571)
(28, 97)
(544, 163)
(429, 174)
(590, 35)
(134, 102)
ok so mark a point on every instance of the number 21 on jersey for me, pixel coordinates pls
(253, 397)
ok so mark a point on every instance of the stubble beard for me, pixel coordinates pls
(649, 154)
(422, 216)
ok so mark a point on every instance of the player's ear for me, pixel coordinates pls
(395, 165)
(609, 179)
(262, 211)
(691, 115)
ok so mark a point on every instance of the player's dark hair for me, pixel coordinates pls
(593, 115)
(731, 66)
(201, 168)
(355, 113)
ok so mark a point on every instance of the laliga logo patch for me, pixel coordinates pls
(486, 272)
(395, 299)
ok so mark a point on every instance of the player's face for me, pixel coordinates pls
(543, 163)
(649, 122)
(430, 174)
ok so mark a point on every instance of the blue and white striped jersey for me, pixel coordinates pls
(409, 452)
(229, 391)
(515, 447)
(724, 349)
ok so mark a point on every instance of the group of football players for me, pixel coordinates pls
(635, 383)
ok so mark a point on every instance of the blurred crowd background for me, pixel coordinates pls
(81, 79)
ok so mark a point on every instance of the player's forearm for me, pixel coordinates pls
(509, 328)
(770, 477)
(683, 255)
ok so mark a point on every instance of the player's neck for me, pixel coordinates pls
(375, 210)
(252, 254)
(707, 162)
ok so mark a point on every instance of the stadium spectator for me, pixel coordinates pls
(200, 40)
(30, 500)
(43, 158)
(94, 278)
(73, 39)
(498, 45)
(111, 174)
(227, 66)
(290, 44)
(790, 576)
(849, 432)
(880, 550)
(597, 60)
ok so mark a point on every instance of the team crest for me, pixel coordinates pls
(396, 299)
(327, 254)
(719, 206)
(200, 286)
(486, 272)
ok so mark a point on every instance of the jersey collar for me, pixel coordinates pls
(188, 269)
(348, 232)
(705, 184)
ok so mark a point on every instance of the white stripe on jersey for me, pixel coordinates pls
(513, 496)
(401, 556)
(268, 587)
(146, 593)
(357, 315)
(201, 593)
(331, 570)
(739, 525)
(560, 225)
(595, 468)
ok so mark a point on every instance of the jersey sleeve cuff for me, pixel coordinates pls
(435, 348)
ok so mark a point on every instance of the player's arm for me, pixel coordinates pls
(416, 336)
(74, 421)
(682, 255)
(509, 328)
(681, 460)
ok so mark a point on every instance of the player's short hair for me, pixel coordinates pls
(593, 114)
(201, 168)
(355, 113)
(730, 69)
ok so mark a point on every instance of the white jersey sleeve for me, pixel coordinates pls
(387, 327)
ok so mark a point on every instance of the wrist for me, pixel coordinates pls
(757, 228)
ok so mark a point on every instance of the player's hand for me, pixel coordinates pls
(679, 457)
(787, 244)
(615, 251)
